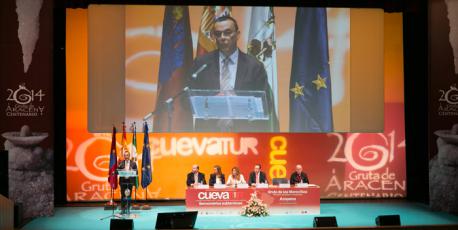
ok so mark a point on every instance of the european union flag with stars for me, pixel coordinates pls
(310, 83)
(146, 159)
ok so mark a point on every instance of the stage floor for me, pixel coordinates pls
(348, 214)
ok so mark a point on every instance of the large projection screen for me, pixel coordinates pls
(125, 57)
(357, 163)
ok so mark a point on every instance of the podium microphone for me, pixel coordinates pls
(147, 116)
(194, 75)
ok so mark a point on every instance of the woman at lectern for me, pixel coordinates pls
(235, 178)
(217, 177)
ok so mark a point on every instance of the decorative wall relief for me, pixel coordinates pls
(31, 173)
(443, 172)
(452, 9)
(28, 12)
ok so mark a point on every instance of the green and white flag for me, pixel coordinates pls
(133, 151)
(261, 44)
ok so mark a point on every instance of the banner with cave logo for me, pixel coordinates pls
(26, 104)
(344, 165)
(443, 105)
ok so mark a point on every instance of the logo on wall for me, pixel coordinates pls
(367, 172)
(448, 102)
(24, 102)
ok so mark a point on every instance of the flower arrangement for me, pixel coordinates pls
(254, 207)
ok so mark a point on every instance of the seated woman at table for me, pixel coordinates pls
(217, 177)
(235, 177)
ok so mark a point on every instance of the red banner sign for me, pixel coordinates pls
(231, 200)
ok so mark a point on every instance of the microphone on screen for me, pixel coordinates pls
(201, 68)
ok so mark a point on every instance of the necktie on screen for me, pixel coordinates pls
(257, 178)
(225, 84)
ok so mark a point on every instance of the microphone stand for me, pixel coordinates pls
(112, 204)
(146, 206)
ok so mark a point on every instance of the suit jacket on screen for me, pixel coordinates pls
(250, 75)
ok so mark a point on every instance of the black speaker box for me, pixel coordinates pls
(121, 224)
(324, 221)
(4, 173)
(18, 215)
(388, 220)
(176, 220)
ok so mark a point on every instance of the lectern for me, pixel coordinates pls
(230, 110)
(126, 201)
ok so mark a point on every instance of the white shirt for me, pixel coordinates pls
(233, 181)
(127, 165)
(218, 180)
(196, 178)
(234, 57)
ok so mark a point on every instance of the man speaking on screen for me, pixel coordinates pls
(228, 69)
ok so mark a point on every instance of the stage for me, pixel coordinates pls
(354, 213)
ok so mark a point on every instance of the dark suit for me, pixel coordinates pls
(126, 183)
(250, 75)
(200, 178)
(294, 179)
(212, 179)
(262, 178)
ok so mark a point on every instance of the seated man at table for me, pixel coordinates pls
(217, 177)
(257, 176)
(126, 183)
(195, 177)
(298, 176)
(235, 178)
